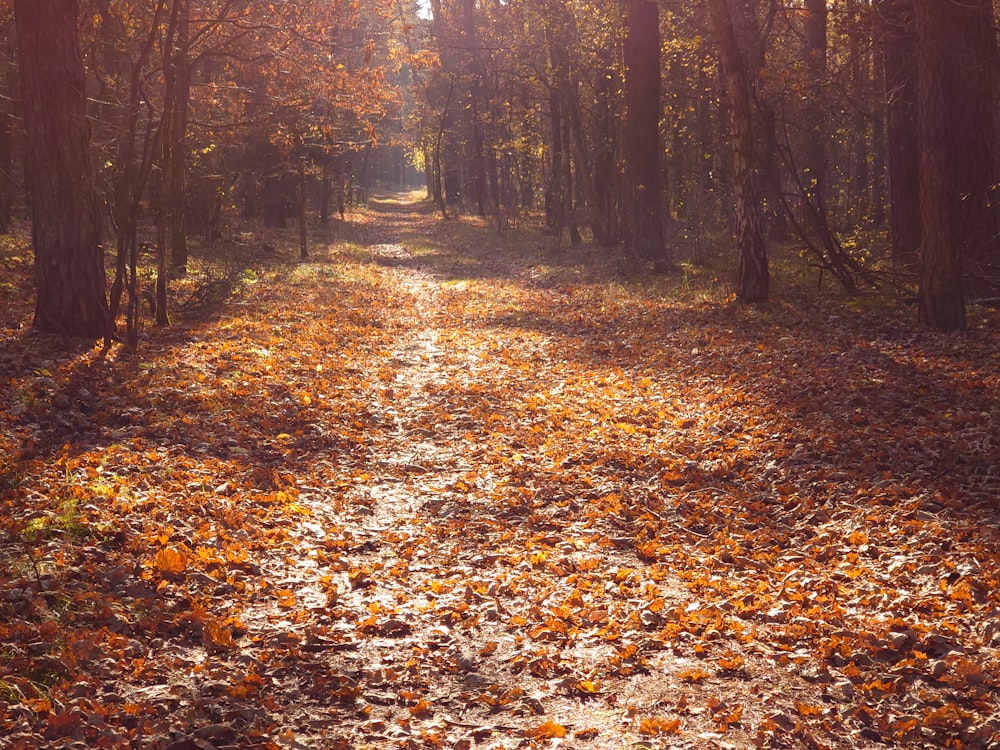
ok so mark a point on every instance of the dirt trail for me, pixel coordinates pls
(449, 555)
(480, 601)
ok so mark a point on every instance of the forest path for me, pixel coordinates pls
(463, 584)
(508, 574)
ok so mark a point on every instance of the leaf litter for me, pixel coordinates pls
(435, 488)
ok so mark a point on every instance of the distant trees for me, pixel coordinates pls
(779, 121)
(861, 133)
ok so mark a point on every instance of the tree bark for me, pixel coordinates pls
(8, 184)
(860, 198)
(956, 131)
(71, 294)
(475, 97)
(605, 184)
(6, 171)
(642, 223)
(754, 278)
(899, 52)
(815, 147)
(303, 234)
(181, 72)
(555, 202)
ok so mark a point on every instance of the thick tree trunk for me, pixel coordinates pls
(69, 262)
(642, 224)
(956, 130)
(899, 51)
(753, 282)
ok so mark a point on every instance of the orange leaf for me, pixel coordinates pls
(694, 675)
(420, 708)
(170, 561)
(732, 662)
(217, 635)
(807, 709)
(654, 726)
(548, 730)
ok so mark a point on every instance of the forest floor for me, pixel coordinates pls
(436, 488)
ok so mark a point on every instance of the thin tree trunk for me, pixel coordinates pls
(555, 202)
(861, 182)
(814, 161)
(171, 142)
(303, 237)
(178, 133)
(753, 281)
(605, 130)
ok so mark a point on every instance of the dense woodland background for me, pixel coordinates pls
(860, 135)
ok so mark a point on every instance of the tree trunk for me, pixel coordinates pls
(956, 131)
(899, 52)
(325, 190)
(642, 225)
(181, 72)
(754, 278)
(815, 147)
(574, 143)
(6, 171)
(475, 147)
(862, 148)
(71, 294)
(555, 203)
(879, 171)
(8, 184)
(170, 219)
(303, 236)
(604, 137)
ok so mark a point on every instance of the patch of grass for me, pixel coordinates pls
(8, 692)
(66, 520)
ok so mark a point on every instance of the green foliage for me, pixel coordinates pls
(67, 519)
